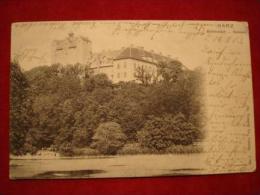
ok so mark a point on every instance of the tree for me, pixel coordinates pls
(54, 96)
(108, 138)
(155, 134)
(97, 81)
(102, 95)
(183, 132)
(43, 79)
(67, 109)
(55, 79)
(170, 71)
(128, 113)
(160, 100)
(19, 109)
(181, 95)
(76, 70)
(90, 116)
(63, 141)
(59, 106)
(81, 137)
(193, 85)
(143, 75)
(33, 141)
(46, 117)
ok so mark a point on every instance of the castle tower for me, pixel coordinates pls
(71, 50)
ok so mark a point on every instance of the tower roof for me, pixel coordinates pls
(85, 39)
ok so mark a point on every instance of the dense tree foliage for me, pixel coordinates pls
(160, 133)
(19, 109)
(108, 138)
(68, 109)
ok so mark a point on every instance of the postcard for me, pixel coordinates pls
(130, 98)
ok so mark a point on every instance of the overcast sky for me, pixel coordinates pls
(32, 41)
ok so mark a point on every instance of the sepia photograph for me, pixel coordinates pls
(100, 99)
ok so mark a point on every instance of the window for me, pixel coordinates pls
(118, 75)
(125, 74)
(73, 47)
(135, 65)
(118, 66)
(125, 65)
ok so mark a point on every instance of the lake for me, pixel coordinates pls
(107, 166)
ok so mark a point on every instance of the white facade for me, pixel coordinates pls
(124, 69)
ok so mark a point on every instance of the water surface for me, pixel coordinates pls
(110, 166)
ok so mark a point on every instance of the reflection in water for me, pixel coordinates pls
(67, 174)
(101, 167)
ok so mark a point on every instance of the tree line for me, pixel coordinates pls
(70, 110)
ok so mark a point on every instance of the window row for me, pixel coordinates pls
(120, 75)
(70, 47)
(125, 65)
(135, 66)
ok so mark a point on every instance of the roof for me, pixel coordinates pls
(142, 55)
(70, 41)
(101, 66)
(85, 39)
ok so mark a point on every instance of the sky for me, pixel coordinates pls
(31, 41)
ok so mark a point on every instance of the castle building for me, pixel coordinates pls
(118, 65)
(71, 50)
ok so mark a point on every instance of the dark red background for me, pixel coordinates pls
(44, 10)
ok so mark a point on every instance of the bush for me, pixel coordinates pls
(185, 133)
(155, 135)
(66, 149)
(133, 148)
(108, 138)
(97, 81)
(29, 148)
(160, 133)
(85, 151)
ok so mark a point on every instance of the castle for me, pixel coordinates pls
(71, 50)
(118, 65)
